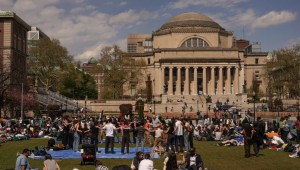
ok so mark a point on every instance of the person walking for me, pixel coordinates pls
(22, 161)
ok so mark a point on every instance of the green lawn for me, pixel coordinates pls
(215, 157)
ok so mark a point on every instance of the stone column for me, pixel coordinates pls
(186, 82)
(228, 81)
(242, 78)
(178, 82)
(213, 86)
(220, 88)
(162, 79)
(195, 81)
(204, 80)
(170, 85)
(236, 80)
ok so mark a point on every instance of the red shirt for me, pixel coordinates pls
(297, 125)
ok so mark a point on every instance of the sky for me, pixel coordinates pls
(84, 27)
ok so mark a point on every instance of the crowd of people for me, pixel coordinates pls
(169, 135)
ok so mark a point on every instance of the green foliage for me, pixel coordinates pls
(283, 72)
(118, 68)
(77, 85)
(48, 61)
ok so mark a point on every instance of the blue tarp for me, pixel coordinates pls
(70, 154)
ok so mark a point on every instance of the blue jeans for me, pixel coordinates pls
(76, 142)
(186, 142)
(139, 140)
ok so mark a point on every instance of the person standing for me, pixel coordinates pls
(284, 128)
(171, 137)
(140, 130)
(125, 129)
(297, 126)
(178, 135)
(109, 140)
(50, 164)
(94, 134)
(76, 141)
(248, 133)
(22, 161)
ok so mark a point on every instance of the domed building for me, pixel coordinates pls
(191, 57)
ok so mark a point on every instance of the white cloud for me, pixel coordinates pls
(207, 3)
(249, 19)
(77, 28)
(91, 52)
(273, 18)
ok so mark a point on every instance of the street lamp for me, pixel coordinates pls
(153, 104)
(22, 101)
(254, 96)
(85, 105)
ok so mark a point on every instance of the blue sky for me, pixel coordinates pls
(86, 26)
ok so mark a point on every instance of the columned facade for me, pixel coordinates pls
(221, 84)
(193, 57)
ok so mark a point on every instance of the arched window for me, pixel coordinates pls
(194, 42)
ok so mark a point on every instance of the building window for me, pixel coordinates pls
(257, 74)
(256, 60)
(148, 60)
(194, 42)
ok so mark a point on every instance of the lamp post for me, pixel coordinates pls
(197, 106)
(153, 104)
(298, 105)
(254, 96)
(22, 101)
(85, 99)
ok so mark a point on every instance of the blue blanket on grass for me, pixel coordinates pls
(70, 154)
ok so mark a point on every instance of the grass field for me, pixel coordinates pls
(215, 158)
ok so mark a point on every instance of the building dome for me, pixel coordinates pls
(190, 19)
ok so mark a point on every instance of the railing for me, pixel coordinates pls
(47, 97)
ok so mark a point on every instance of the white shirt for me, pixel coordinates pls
(179, 128)
(146, 164)
(158, 133)
(192, 160)
(109, 127)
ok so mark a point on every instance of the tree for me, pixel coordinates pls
(4, 84)
(77, 84)
(118, 68)
(48, 61)
(283, 72)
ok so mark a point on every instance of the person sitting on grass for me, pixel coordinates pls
(136, 160)
(146, 164)
(193, 160)
(100, 166)
(50, 164)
